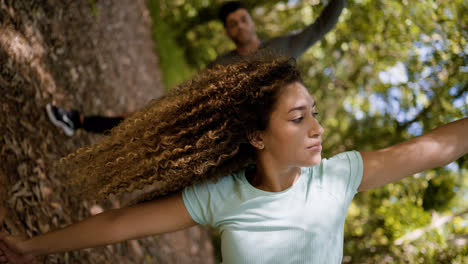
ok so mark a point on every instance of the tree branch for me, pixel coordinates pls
(436, 222)
(422, 113)
(210, 13)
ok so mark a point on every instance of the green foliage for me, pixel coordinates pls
(171, 56)
(93, 7)
(439, 193)
(364, 107)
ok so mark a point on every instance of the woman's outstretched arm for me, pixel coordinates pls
(433, 149)
(160, 216)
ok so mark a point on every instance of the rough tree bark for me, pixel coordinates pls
(94, 56)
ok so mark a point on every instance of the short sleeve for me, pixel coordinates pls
(197, 199)
(342, 174)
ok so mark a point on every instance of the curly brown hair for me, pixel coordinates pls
(195, 133)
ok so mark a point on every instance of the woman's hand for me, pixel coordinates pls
(11, 252)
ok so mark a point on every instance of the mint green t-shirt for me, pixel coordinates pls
(302, 224)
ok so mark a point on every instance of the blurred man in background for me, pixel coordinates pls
(240, 28)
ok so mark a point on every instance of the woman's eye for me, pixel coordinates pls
(298, 120)
(315, 114)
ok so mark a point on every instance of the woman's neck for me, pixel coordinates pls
(273, 179)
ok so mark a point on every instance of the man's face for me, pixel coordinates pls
(240, 27)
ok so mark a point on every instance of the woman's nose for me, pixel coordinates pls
(315, 129)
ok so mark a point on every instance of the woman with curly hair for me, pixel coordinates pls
(238, 148)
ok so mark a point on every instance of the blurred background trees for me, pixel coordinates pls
(389, 71)
(95, 56)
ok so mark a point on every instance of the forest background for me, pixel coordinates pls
(389, 71)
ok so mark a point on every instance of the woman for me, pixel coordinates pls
(238, 148)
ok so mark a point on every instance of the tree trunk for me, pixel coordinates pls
(94, 56)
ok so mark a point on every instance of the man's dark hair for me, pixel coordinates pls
(227, 8)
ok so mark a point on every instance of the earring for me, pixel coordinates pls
(260, 146)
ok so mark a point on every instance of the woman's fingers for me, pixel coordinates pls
(3, 212)
(10, 255)
(3, 253)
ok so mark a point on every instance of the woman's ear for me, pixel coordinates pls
(255, 139)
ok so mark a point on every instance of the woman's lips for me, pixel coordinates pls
(316, 147)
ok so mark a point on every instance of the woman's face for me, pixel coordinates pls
(293, 136)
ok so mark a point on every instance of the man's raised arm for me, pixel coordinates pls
(300, 42)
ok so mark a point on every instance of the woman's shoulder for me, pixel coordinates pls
(351, 156)
(222, 183)
(339, 174)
